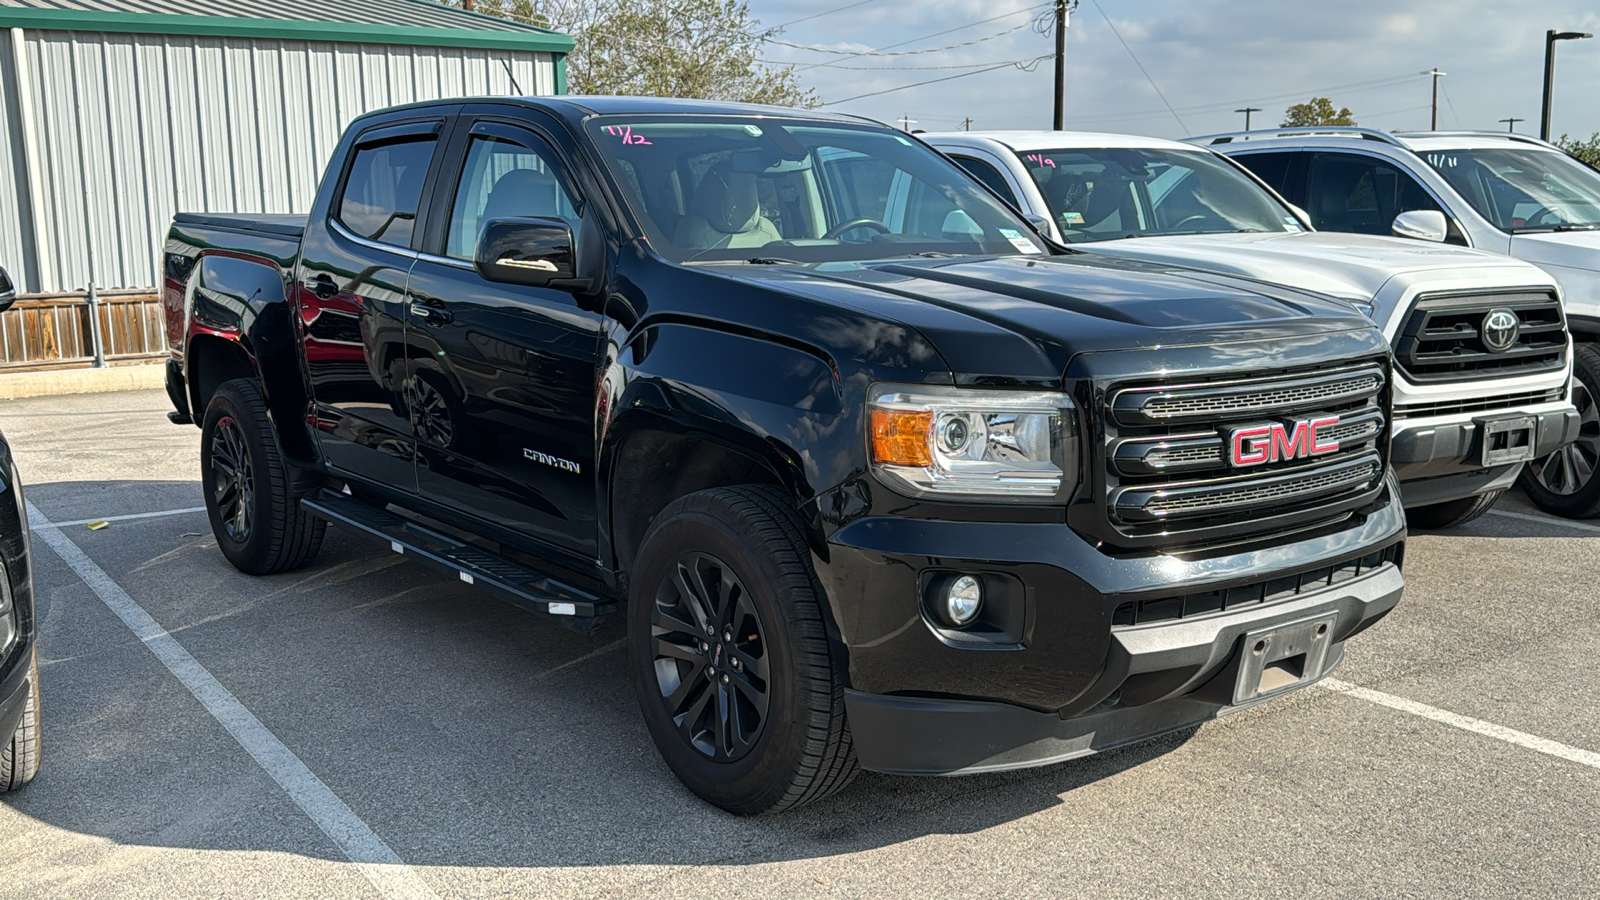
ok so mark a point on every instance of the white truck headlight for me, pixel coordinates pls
(974, 442)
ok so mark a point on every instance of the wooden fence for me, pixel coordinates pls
(52, 331)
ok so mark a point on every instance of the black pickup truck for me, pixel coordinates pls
(882, 479)
(19, 658)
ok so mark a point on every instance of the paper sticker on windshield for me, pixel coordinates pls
(1072, 218)
(1022, 244)
(1292, 225)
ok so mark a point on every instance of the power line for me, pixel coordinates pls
(825, 13)
(880, 50)
(1002, 62)
(1035, 61)
(1135, 58)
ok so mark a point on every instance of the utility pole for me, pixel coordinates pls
(1550, 38)
(1434, 122)
(1511, 124)
(906, 122)
(966, 124)
(1064, 10)
(1247, 111)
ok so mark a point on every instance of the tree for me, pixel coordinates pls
(707, 49)
(1318, 111)
(1586, 152)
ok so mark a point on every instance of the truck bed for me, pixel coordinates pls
(291, 226)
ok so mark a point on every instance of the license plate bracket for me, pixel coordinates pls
(1506, 439)
(1284, 657)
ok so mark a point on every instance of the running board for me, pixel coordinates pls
(510, 581)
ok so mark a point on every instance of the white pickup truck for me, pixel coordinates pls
(1482, 351)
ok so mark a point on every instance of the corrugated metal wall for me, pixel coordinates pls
(131, 128)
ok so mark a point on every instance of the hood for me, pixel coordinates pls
(1351, 266)
(1570, 249)
(974, 310)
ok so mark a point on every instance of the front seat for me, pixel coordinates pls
(523, 192)
(726, 213)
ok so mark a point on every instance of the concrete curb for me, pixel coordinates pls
(17, 385)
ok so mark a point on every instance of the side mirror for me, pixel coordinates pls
(8, 291)
(1421, 225)
(537, 252)
(1305, 217)
(1043, 225)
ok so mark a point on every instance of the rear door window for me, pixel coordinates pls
(1273, 168)
(383, 189)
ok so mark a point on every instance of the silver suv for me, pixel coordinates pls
(1508, 193)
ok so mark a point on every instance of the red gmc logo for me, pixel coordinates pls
(1255, 445)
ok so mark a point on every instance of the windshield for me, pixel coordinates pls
(713, 189)
(1523, 190)
(1100, 194)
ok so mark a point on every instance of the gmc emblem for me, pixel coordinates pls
(1255, 445)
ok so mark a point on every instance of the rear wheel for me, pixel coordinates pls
(19, 757)
(730, 657)
(1564, 483)
(251, 497)
(1452, 513)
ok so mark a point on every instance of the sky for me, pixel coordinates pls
(1201, 58)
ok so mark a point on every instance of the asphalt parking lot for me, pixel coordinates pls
(365, 703)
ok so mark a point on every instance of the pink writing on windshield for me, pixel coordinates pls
(626, 133)
(1040, 159)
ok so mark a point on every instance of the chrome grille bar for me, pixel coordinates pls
(1244, 397)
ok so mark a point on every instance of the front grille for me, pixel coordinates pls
(1479, 404)
(1287, 587)
(1443, 337)
(1168, 480)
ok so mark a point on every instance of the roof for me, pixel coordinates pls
(409, 22)
(611, 105)
(1370, 138)
(1058, 140)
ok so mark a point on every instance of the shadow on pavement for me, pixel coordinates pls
(465, 732)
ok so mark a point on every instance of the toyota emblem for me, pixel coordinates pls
(1500, 329)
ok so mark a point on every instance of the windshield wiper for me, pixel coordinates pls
(1577, 226)
(771, 261)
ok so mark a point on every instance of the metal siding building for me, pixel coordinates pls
(114, 114)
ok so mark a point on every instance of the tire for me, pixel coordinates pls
(1566, 483)
(19, 756)
(1449, 514)
(747, 541)
(251, 496)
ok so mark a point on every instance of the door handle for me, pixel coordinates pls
(432, 315)
(323, 287)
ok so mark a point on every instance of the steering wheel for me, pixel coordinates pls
(1197, 217)
(1540, 213)
(834, 232)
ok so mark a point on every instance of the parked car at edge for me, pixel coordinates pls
(19, 662)
(1506, 193)
(1468, 413)
(884, 479)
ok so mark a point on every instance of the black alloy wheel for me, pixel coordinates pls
(710, 657)
(233, 482)
(1566, 471)
(1567, 482)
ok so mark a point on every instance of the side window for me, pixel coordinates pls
(1361, 194)
(990, 176)
(384, 189)
(503, 179)
(1273, 168)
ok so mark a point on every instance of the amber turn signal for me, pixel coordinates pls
(900, 438)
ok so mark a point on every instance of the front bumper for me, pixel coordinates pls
(1441, 459)
(1195, 662)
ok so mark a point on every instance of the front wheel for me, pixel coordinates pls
(1451, 513)
(19, 756)
(1564, 483)
(251, 497)
(730, 656)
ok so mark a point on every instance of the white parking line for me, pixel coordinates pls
(148, 515)
(1545, 520)
(1476, 726)
(360, 844)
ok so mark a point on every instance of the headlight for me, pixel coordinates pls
(974, 442)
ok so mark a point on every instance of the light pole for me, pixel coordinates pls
(1247, 111)
(1511, 124)
(1550, 38)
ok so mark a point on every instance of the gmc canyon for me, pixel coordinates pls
(881, 477)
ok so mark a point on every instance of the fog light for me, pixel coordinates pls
(962, 599)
